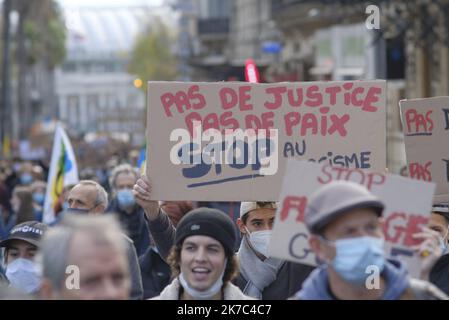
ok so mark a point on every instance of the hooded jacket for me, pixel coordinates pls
(399, 286)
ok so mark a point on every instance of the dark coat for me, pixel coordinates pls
(155, 273)
(439, 275)
(134, 224)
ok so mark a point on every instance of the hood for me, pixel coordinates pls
(316, 286)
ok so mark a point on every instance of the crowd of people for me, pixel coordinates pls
(110, 240)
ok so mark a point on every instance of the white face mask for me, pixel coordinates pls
(260, 240)
(205, 294)
(24, 275)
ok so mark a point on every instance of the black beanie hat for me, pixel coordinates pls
(207, 222)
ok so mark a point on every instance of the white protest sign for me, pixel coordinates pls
(194, 152)
(407, 208)
(425, 123)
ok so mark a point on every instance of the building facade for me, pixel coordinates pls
(95, 91)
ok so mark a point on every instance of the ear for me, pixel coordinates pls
(46, 290)
(322, 250)
(317, 246)
(99, 209)
(241, 226)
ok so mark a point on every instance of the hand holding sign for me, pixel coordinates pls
(142, 193)
(425, 126)
(407, 208)
(429, 250)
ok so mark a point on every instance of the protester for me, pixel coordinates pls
(26, 173)
(155, 271)
(38, 189)
(89, 197)
(176, 209)
(231, 208)
(61, 203)
(262, 276)
(346, 235)
(22, 204)
(84, 258)
(202, 259)
(123, 204)
(21, 248)
(7, 216)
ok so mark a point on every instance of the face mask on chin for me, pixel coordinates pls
(80, 210)
(203, 294)
(354, 256)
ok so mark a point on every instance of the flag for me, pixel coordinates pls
(251, 72)
(63, 172)
(141, 162)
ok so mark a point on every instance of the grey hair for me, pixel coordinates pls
(123, 168)
(54, 252)
(102, 195)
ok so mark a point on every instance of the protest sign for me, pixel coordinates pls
(425, 123)
(229, 141)
(407, 208)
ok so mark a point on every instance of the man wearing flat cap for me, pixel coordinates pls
(346, 235)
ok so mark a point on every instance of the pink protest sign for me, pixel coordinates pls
(425, 123)
(194, 152)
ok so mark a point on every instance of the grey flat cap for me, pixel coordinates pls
(335, 199)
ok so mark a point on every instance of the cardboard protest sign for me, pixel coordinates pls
(425, 123)
(229, 141)
(407, 208)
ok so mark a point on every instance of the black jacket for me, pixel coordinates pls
(155, 273)
(439, 275)
(134, 224)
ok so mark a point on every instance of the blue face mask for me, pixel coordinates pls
(26, 178)
(24, 275)
(39, 198)
(125, 198)
(355, 255)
